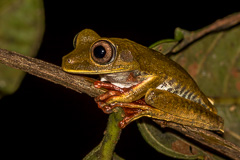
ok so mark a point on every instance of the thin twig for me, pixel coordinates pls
(81, 84)
(220, 24)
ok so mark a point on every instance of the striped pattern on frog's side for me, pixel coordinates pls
(171, 85)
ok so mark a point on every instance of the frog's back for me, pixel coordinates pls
(174, 78)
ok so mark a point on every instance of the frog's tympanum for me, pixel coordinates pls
(142, 81)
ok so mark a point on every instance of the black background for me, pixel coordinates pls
(46, 120)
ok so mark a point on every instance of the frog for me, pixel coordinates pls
(142, 81)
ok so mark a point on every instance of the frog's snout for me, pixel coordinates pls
(70, 61)
(67, 63)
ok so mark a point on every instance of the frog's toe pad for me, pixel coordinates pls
(106, 108)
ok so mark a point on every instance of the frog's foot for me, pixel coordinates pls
(101, 101)
(107, 95)
(133, 111)
(113, 90)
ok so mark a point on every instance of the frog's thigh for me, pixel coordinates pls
(181, 110)
(162, 99)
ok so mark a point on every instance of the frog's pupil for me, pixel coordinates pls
(99, 52)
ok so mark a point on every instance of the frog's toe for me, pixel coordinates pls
(105, 108)
(101, 104)
(122, 124)
(107, 95)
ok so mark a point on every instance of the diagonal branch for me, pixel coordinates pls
(81, 84)
(206, 138)
(49, 72)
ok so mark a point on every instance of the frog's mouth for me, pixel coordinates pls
(96, 72)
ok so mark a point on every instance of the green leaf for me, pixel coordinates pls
(21, 30)
(214, 63)
(164, 46)
(168, 143)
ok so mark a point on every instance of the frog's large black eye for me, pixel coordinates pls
(99, 52)
(102, 52)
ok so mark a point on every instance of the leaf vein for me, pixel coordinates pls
(227, 77)
(209, 50)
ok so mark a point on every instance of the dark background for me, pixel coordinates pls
(46, 120)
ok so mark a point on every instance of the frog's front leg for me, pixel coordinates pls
(117, 94)
(126, 95)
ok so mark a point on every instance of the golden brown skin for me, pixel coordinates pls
(136, 71)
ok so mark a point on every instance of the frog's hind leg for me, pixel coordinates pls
(183, 111)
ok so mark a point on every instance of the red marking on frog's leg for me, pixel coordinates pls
(106, 95)
(109, 86)
(129, 113)
(113, 90)
(141, 101)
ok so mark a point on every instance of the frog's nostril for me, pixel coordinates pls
(69, 60)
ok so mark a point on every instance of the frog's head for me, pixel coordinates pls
(96, 55)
